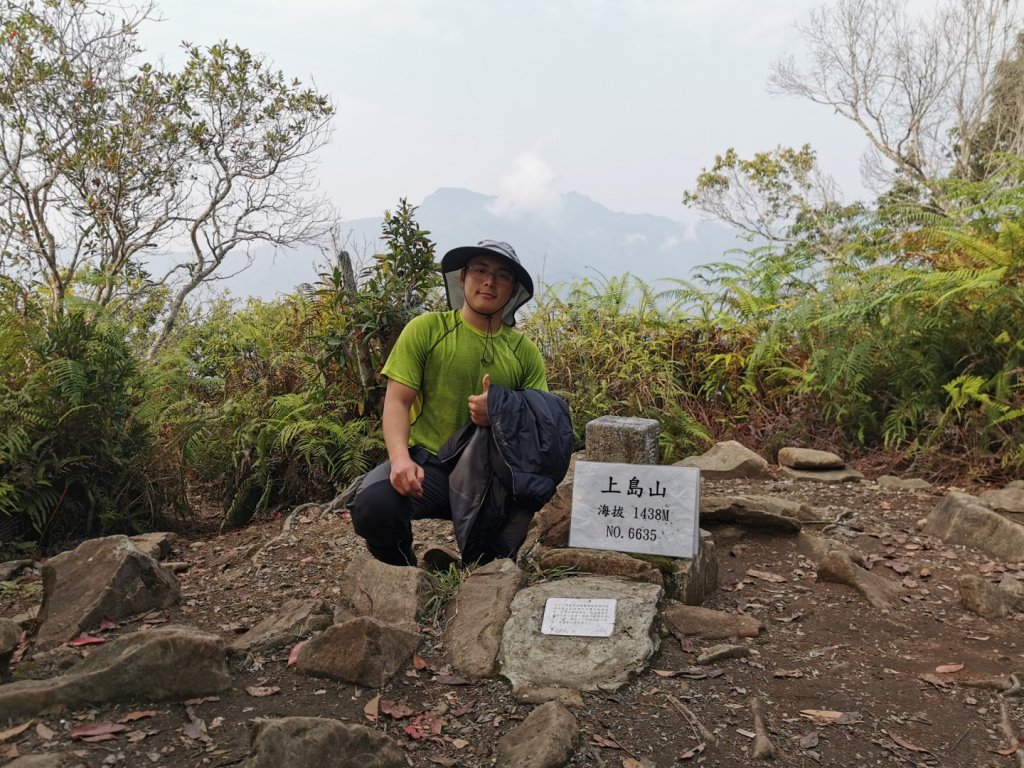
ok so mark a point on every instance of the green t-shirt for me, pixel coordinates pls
(441, 357)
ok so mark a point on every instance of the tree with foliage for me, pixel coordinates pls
(919, 88)
(105, 161)
(366, 317)
(779, 197)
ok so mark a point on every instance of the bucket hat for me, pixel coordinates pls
(457, 259)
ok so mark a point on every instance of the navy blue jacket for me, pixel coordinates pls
(515, 464)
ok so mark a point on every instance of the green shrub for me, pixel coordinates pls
(75, 455)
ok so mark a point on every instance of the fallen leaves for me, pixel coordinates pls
(830, 716)
(93, 732)
(84, 639)
(424, 725)
(17, 730)
(260, 691)
(371, 711)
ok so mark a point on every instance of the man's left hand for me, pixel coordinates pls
(478, 405)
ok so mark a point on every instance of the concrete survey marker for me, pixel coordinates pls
(636, 508)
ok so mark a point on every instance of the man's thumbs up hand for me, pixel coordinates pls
(478, 405)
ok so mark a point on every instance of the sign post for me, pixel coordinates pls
(639, 508)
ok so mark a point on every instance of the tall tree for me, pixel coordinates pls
(106, 160)
(252, 134)
(920, 88)
(90, 153)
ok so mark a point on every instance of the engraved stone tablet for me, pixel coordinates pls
(636, 508)
(579, 616)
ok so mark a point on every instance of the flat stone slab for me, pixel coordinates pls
(602, 563)
(727, 460)
(553, 667)
(478, 615)
(170, 663)
(963, 519)
(809, 458)
(779, 515)
(828, 476)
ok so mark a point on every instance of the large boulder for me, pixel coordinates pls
(102, 578)
(313, 742)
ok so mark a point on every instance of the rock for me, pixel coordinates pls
(478, 615)
(1008, 499)
(838, 567)
(602, 563)
(363, 651)
(107, 577)
(550, 525)
(984, 599)
(808, 458)
(828, 476)
(692, 581)
(694, 621)
(894, 483)
(313, 742)
(169, 663)
(816, 547)
(1012, 585)
(543, 666)
(727, 460)
(961, 519)
(10, 639)
(758, 511)
(156, 545)
(547, 738)
(296, 620)
(393, 594)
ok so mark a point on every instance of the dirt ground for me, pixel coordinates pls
(841, 684)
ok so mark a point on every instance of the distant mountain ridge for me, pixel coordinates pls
(575, 237)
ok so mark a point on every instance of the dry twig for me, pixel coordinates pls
(763, 747)
(699, 729)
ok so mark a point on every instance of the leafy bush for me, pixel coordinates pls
(75, 454)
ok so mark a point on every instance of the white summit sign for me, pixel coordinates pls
(641, 508)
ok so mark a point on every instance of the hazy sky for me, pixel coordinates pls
(622, 100)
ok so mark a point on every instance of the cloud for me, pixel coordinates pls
(527, 188)
(634, 237)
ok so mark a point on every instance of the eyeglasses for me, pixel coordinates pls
(501, 276)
